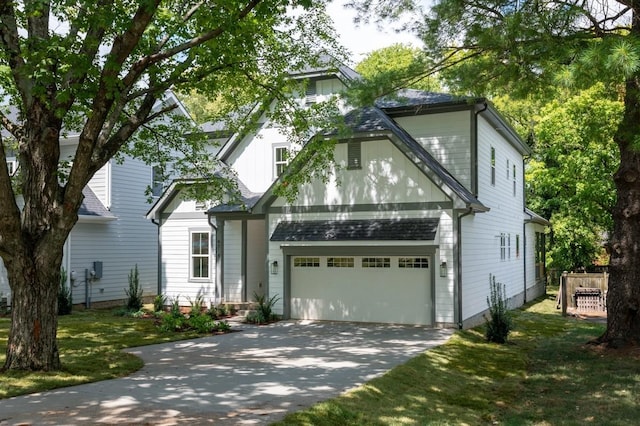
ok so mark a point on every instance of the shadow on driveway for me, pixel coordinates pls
(255, 375)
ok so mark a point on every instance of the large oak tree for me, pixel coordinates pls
(99, 69)
(527, 47)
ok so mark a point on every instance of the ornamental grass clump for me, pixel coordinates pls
(499, 323)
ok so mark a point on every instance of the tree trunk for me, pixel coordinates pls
(32, 341)
(623, 296)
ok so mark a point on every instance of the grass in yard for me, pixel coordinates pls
(545, 375)
(90, 344)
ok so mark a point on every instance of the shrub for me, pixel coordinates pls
(65, 296)
(171, 323)
(222, 326)
(201, 323)
(159, 302)
(197, 305)
(264, 313)
(175, 310)
(499, 323)
(134, 293)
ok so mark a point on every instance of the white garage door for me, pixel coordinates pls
(389, 289)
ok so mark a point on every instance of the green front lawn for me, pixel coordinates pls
(90, 344)
(545, 375)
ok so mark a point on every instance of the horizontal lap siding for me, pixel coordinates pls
(481, 232)
(175, 266)
(447, 137)
(120, 244)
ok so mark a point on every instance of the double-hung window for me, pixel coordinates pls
(199, 255)
(280, 160)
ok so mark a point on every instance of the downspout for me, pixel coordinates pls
(458, 264)
(159, 267)
(524, 232)
(524, 257)
(215, 238)
(470, 210)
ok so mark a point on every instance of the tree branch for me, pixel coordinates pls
(138, 68)
(10, 40)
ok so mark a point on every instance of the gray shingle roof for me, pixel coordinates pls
(411, 97)
(91, 205)
(248, 198)
(357, 230)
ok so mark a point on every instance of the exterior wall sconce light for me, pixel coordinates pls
(274, 267)
(443, 269)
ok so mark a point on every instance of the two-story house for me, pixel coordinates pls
(424, 203)
(112, 235)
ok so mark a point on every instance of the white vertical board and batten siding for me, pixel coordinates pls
(253, 158)
(386, 176)
(447, 137)
(256, 259)
(232, 270)
(481, 232)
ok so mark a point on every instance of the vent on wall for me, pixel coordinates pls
(354, 155)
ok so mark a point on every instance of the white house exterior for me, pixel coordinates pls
(112, 234)
(425, 203)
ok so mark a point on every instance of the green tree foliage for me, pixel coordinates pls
(529, 47)
(570, 175)
(397, 66)
(100, 70)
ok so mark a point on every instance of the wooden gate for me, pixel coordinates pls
(585, 292)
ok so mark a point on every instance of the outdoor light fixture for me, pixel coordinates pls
(443, 269)
(274, 267)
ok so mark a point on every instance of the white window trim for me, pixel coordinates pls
(12, 166)
(275, 161)
(192, 255)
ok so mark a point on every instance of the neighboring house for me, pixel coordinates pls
(426, 202)
(111, 229)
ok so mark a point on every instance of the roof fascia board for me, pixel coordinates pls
(413, 110)
(501, 125)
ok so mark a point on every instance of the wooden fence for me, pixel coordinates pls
(585, 291)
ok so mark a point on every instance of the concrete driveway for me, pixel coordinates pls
(255, 375)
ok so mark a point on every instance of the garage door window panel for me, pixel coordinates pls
(306, 262)
(376, 262)
(413, 262)
(340, 262)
